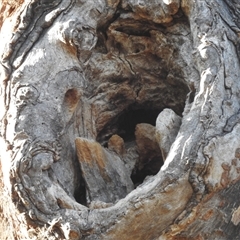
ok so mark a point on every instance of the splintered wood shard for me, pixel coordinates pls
(104, 172)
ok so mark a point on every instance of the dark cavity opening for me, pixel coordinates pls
(124, 124)
(80, 194)
(130, 118)
(134, 32)
(151, 167)
(71, 98)
(80, 189)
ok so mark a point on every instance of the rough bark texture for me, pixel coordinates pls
(81, 82)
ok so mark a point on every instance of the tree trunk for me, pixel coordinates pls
(120, 119)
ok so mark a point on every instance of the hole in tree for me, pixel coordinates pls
(71, 98)
(149, 158)
(124, 125)
(80, 193)
(171, 92)
(130, 118)
(80, 189)
(151, 167)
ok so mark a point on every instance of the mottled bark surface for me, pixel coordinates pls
(77, 77)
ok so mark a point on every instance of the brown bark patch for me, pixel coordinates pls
(186, 238)
(208, 215)
(162, 208)
(116, 143)
(90, 152)
(71, 98)
(225, 179)
(7, 8)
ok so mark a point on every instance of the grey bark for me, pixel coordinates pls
(84, 71)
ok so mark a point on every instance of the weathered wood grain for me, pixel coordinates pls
(77, 77)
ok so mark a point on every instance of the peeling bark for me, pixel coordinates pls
(77, 77)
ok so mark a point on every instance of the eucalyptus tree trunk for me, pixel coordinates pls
(120, 119)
